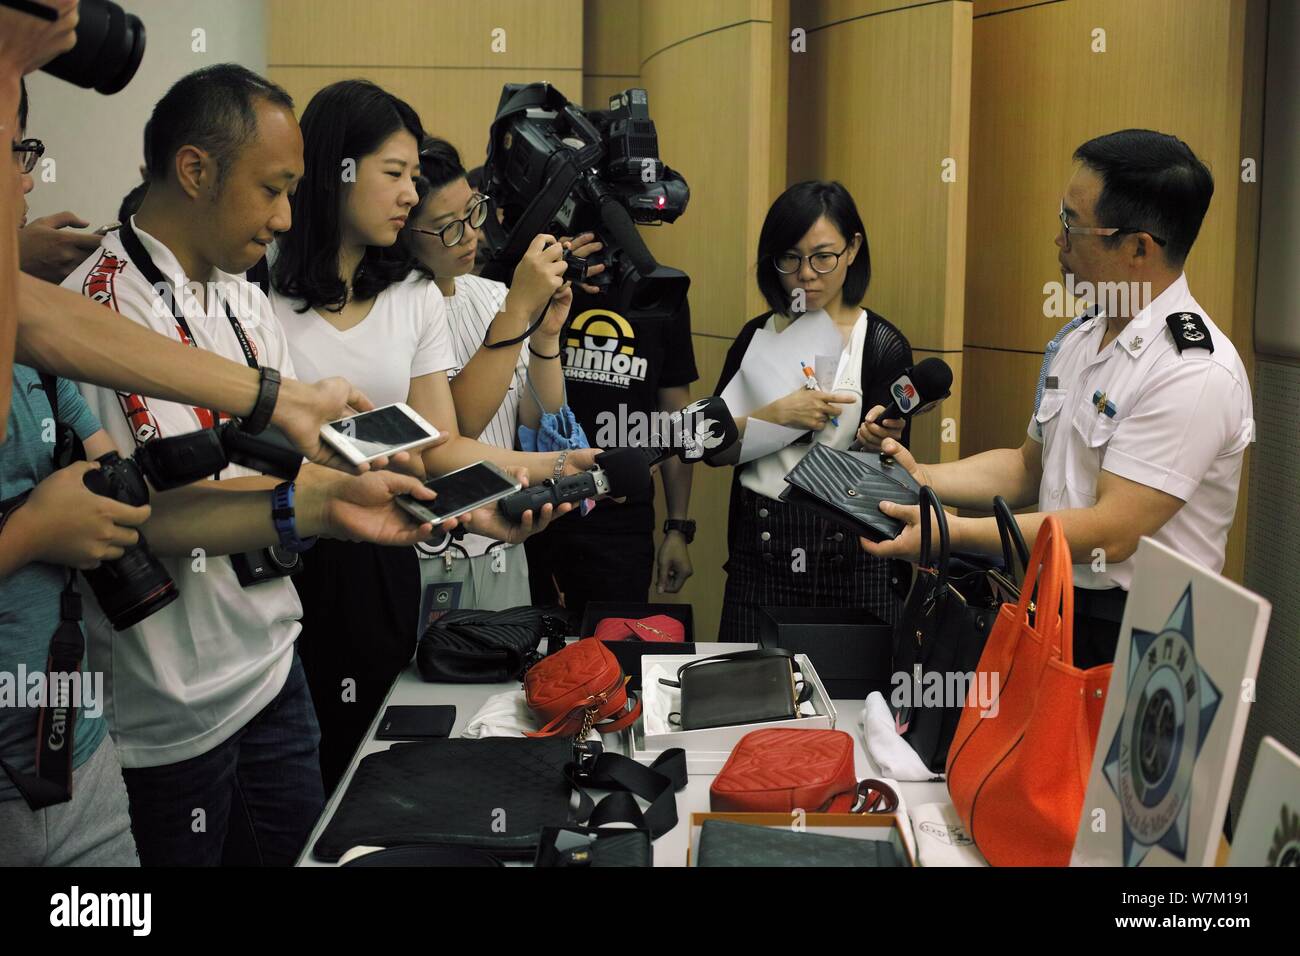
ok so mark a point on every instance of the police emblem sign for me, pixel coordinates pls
(1175, 716)
(1268, 831)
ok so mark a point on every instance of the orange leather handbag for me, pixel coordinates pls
(1018, 770)
(572, 689)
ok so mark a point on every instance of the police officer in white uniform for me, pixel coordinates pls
(1144, 409)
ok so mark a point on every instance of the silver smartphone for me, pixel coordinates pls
(459, 491)
(378, 433)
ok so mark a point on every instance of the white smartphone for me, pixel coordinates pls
(375, 434)
(459, 491)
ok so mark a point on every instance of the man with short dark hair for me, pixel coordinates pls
(206, 698)
(1143, 411)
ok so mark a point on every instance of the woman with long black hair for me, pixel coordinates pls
(350, 303)
(813, 265)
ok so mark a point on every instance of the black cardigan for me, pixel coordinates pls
(886, 354)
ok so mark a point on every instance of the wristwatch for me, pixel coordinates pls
(282, 515)
(685, 526)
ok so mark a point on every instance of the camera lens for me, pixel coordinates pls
(132, 587)
(136, 584)
(109, 47)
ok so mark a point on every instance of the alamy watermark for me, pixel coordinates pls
(1113, 298)
(918, 690)
(58, 691)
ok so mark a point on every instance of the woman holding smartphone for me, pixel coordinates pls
(813, 264)
(349, 302)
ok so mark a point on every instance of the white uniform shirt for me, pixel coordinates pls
(1176, 421)
(190, 675)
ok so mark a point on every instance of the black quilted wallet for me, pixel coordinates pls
(723, 843)
(847, 487)
(588, 846)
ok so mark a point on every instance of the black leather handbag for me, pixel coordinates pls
(467, 646)
(743, 687)
(938, 641)
(496, 794)
(847, 487)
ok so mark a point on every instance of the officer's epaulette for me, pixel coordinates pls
(1189, 331)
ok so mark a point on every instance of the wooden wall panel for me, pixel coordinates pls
(997, 398)
(880, 100)
(611, 52)
(665, 23)
(449, 33)
(456, 104)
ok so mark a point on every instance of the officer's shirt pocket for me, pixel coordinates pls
(1092, 430)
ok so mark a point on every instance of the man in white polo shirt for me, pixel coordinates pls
(1144, 409)
(206, 698)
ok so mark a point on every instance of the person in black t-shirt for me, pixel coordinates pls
(618, 373)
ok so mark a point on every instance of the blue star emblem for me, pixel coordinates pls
(1170, 706)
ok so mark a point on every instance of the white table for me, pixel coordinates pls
(669, 849)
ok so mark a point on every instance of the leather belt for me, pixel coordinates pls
(1104, 605)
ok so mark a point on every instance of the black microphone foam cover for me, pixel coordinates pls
(628, 471)
(932, 378)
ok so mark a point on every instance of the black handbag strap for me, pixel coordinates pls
(1015, 553)
(752, 655)
(930, 504)
(658, 784)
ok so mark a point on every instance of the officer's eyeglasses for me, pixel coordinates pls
(27, 154)
(1100, 230)
(453, 232)
(788, 263)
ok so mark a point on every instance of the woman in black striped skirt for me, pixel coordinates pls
(813, 266)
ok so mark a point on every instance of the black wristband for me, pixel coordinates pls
(540, 355)
(268, 390)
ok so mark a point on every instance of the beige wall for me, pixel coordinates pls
(441, 56)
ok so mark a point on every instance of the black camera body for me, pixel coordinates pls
(136, 585)
(553, 167)
(265, 564)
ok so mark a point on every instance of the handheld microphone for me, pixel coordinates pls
(701, 431)
(919, 389)
(618, 473)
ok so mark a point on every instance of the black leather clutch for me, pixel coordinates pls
(591, 846)
(745, 687)
(847, 487)
(723, 843)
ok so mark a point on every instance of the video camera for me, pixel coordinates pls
(553, 167)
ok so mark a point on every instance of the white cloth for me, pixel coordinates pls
(506, 715)
(469, 314)
(766, 475)
(941, 840)
(1181, 424)
(890, 752)
(404, 336)
(190, 675)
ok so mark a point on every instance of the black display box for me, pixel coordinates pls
(851, 648)
(629, 653)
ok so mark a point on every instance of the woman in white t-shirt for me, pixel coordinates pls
(496, 390)
(348, 302)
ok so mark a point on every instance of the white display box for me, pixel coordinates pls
(858, 826)
(708, 749)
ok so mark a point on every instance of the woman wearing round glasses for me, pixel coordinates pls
(813, 269)
(495, 389)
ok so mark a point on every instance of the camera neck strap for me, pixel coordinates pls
(56, 723)
(141, 259)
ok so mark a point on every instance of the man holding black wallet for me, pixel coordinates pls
(1144, 409)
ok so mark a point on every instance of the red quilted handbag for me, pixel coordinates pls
(576, 687)
(660, 628)
(779, 770)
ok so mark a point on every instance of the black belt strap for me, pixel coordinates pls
(658, 784)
